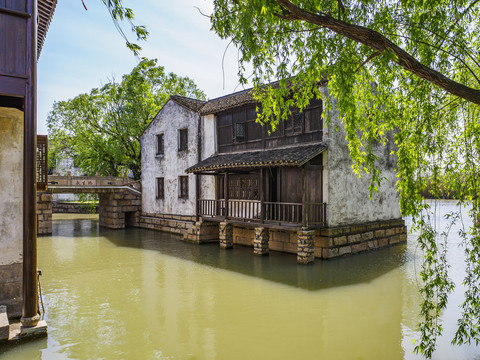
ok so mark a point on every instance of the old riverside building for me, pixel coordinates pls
(211, 173)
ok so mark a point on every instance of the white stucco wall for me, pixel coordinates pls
(172, 163)
(347, 195)
(209, 143)
(11, 186)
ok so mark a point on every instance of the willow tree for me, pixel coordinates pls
(408, 66)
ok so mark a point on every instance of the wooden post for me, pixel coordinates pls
(304, 200)
(262, 216)
(197, 196)
(30, 315)
(225, 193)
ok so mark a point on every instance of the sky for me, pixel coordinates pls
(83, 49)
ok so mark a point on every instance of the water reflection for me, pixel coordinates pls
(141, 294)
(277, 267)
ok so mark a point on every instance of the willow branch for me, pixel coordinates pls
(379, 42)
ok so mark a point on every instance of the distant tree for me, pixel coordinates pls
(102, 129)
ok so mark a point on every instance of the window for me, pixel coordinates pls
(313, 116)
(243, 187)
(160, 188)
(240, 132)
(160, 144)
(183, 187)
(313, 119)
(182, 139)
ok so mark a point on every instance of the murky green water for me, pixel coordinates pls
(140, 294)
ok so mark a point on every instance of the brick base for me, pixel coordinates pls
(260, 243)
(225, 233)
(345, 240)
(44, 213)
(203, 232)
(120, 209)
(11, 288)
(306, 247)
(169, 223)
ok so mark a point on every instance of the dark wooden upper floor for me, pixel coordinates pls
(237, 129)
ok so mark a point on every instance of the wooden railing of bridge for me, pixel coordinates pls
(93, 181)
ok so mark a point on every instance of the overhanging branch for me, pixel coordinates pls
(380, 43)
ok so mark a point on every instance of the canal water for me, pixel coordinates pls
(142, 294)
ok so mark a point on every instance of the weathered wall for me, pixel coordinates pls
(11, 209)
(348, 196)
(172, 163)
(209, 142)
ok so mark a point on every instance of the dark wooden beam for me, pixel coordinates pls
(12, 86)
(262, 195)
(225, 193)
(304, 199)
(14, 13)
(30, 315)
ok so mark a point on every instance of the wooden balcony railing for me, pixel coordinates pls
(255, 211)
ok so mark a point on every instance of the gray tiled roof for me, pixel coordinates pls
(192, 104)
(292, 156)
(227, 102)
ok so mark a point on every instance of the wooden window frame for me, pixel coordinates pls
(42, 162)
(160, 187)
(160, 149)
(183, 194)
(182, 146)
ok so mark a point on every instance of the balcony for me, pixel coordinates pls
(283, 214)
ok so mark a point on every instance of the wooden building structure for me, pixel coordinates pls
(290, 190)
(23, 27)
(263, 178)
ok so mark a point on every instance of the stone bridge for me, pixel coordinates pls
(120, 199)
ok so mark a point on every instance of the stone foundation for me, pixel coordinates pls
(324, 243)
(352, 239)
(118, 210)
(169, 223)
(44, 213)
(260, 244)
(11, 288)
(306, 246)
(203, 232)
(225, 235)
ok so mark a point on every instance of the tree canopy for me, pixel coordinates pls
(411, 67)
(102, 129)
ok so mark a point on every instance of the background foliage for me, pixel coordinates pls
(102, 129)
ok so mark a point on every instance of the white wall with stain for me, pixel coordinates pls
(172, 163)
(209, 144)
(11, 186)
(348, 195)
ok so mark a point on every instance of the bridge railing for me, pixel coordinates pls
(93, 181)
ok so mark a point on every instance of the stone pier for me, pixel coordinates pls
(44, 213)
(306, 246)
(202, 232)
(119, 209)
(260, 243)
(226, 235)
